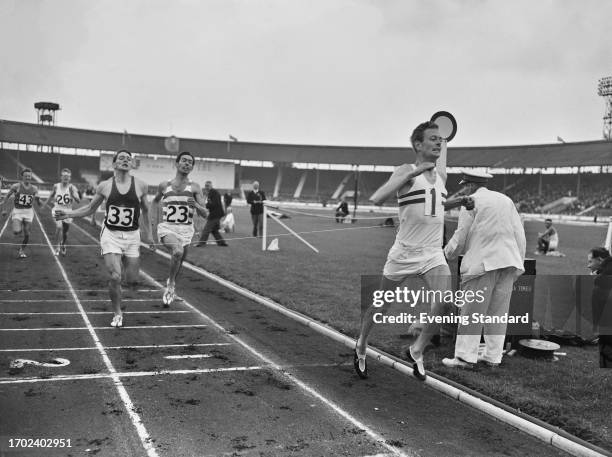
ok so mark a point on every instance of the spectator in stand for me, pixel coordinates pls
(342, 210)
(256, 199)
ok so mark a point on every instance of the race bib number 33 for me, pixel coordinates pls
(119, 216)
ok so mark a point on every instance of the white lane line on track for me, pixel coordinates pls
(310, 390)
(347, 416)
(94, 312)
(44, 329)
(59, 300)
(544, 434)
(61, 291)
(188, 356)
(127, 374)
(5, 225)
(143, 434)
(147, 346)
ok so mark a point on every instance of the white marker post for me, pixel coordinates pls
(608, 241)
(265, 228)
(294, 234)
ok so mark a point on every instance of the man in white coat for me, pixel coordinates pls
(492, 239)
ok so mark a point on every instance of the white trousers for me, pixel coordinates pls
(496, 288)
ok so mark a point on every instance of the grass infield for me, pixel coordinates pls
(571, 393)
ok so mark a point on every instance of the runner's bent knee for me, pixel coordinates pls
(115, 276)
(177, 253)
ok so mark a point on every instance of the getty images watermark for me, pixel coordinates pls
(459, 298)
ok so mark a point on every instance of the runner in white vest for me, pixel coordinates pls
(62, 196)
(177, 200)
(417, 251)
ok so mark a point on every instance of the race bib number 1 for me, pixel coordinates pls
(431, 200)
(119, 216)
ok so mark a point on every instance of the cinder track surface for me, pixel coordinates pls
(255, 383)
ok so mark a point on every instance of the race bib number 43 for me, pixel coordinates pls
(25, 199)
(119, 216)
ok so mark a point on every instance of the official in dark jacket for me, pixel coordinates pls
(342, 210)
(600, 263)
(255, 198)
(216, 211)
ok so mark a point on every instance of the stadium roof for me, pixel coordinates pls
(590, 153)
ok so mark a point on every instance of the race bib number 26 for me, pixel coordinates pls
(119, 216)
(63, 199)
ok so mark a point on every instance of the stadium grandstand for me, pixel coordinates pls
(565, 178)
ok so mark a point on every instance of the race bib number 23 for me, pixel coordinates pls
(177, 214)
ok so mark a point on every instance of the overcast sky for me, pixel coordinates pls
(342, 72)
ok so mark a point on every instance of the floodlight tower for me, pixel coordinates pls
(45, 112)
(45, 115)
(604, 89)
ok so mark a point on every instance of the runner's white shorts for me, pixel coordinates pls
(118, 242)
(58, 224)
(183, 232)
(23, 214)
(404, 260)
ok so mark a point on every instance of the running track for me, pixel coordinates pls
(214, 375)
